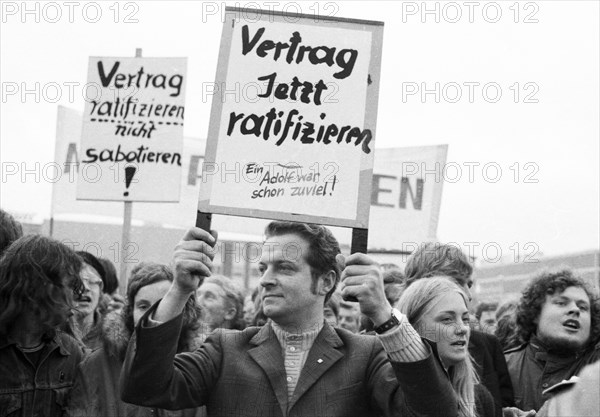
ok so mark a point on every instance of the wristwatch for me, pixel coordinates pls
(392, 322)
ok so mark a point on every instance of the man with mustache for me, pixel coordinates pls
(558, 318)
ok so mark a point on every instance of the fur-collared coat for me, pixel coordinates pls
(96, 392)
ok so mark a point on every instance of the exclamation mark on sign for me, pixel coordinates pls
(129, 173)
(333, 184)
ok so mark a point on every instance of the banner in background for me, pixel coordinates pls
(406, 196)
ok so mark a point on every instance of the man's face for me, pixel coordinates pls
(286, 283)
(487, 322)
(330, 317)
(565, 319)
(466, 286)
(92, 283)
(147, 296)
(213, 304)
(348, 319)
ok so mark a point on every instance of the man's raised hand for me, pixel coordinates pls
(192, 259)
(362, 279)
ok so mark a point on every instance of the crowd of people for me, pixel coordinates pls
(322, 334)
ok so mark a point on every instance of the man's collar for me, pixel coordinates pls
(541, 351)
(303, 340)
(327, 334)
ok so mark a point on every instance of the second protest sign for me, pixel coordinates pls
(132, 134)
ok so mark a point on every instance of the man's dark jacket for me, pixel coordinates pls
(533, 369)
(43, 389)
(491, 368)
(241, 373)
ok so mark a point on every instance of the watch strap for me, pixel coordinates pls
(387, 325)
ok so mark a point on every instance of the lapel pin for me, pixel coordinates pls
(319, 360)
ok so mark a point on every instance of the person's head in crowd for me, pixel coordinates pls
(10, 230)
(437, 309)
(561, 310)
(249, 310)
(221, 303)
(434, 259)
(506, 331)
(473, 322)
(507, 308)
(331, 309)
(299, 273)
(110, 300)
(87, 304)
(39, 277)
(349, 316)
(485, 314)
(148, 283)
(111, 282)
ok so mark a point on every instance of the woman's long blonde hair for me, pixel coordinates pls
(417, 301)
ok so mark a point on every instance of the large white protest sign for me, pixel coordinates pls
(298, 144)
(132, 135)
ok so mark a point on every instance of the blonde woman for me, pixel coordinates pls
(437, 308)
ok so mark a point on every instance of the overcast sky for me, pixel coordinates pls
(528, 75)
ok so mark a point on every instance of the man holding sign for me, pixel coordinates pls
(296, 364)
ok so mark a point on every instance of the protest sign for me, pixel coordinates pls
(132, 134)
(298, 142)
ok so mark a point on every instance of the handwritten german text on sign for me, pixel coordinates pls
(298, 143)
(132, 132)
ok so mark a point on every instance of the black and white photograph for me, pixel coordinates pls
(310, 208)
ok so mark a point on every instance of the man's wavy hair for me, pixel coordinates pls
(38, 276)
(434, 259)
(148, 273)
(548, 283)
(322, 248)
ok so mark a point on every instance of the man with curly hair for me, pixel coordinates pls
(558, 318)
